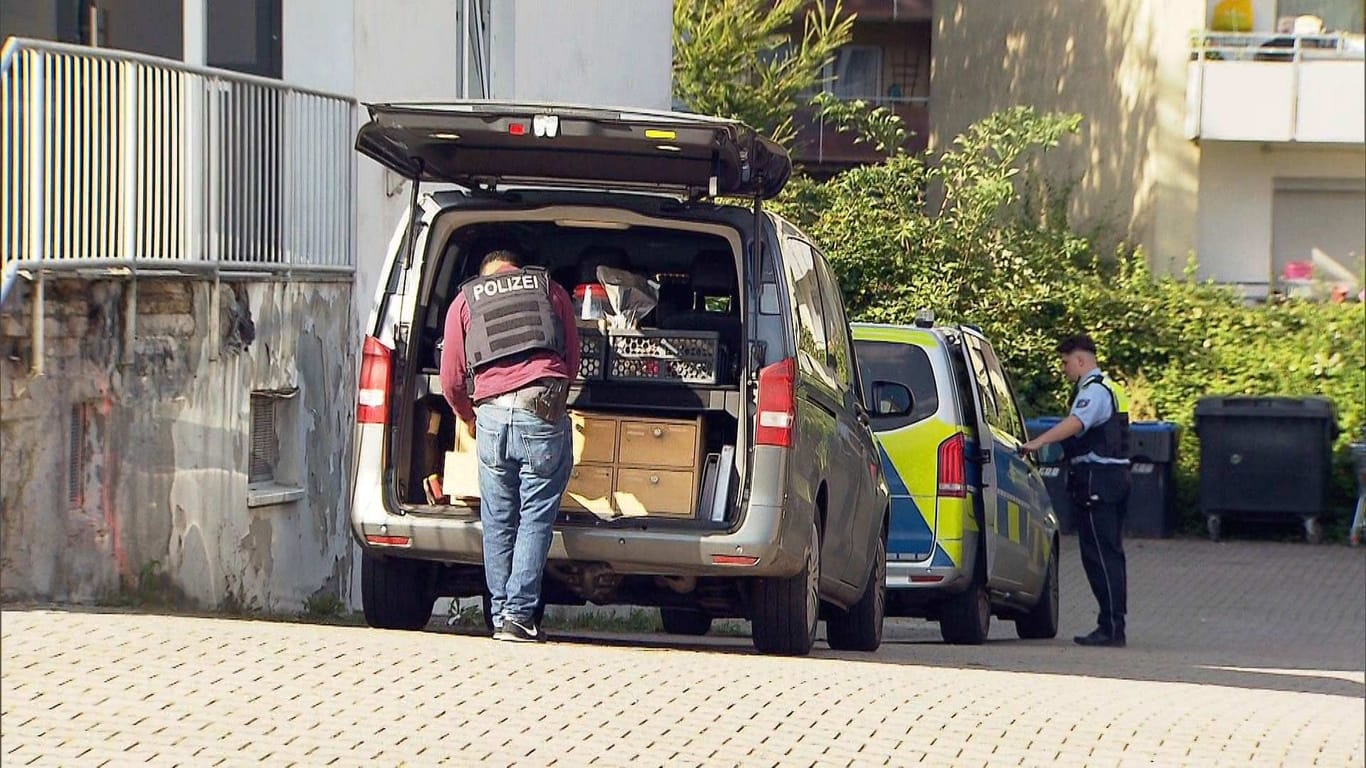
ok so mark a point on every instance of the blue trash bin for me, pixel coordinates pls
(1152, 494)
(1054, 470)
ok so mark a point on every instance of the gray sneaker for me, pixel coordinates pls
(520, 631)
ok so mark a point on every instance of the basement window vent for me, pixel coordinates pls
(265, 440)
(77, 456)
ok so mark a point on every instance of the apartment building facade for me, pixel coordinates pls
(1214, 129)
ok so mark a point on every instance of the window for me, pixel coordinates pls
(840, 362)
(275, 463)
(856, 72)
(812, 348)
(1008, 416)
(245, 36)
(986, 396)
(265, 442)
(904, 364)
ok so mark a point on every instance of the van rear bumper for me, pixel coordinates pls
(767, 533)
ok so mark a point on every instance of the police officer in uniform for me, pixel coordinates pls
(1095, 440)
(512, 328)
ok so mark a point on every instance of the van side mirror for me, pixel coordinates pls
(891, 399)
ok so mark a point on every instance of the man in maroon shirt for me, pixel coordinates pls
(513, 328)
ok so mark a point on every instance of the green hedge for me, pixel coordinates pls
(974, 235)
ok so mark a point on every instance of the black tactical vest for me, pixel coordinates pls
(1109, 439)
(510, 314)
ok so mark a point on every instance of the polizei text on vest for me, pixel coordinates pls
(508, 284)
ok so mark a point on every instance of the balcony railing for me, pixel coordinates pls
(118, 161)
(821, 144)
(1277, 87)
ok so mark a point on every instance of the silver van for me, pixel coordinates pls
(724, 463)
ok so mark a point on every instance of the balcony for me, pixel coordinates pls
(825, 149)
(116, 162)
(1277, 88)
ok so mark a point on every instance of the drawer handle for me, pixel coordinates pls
(575, 473)
(654, 479)
(658, 432)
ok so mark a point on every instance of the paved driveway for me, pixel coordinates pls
(1240, 654)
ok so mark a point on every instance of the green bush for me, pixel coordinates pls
(974, 235)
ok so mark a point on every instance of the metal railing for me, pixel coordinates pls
(1273, 46)
(116, 160)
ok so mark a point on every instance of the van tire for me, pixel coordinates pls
(395, 592)
(786, 608)
(1041, 623)
(860, 627)
(965, 618)
(683, 621)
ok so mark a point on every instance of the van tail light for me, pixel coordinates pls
(953, 467)
(372, 398)
(777, 404)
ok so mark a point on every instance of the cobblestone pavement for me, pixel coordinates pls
(1240, 654)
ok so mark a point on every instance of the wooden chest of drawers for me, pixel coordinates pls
(626, 466)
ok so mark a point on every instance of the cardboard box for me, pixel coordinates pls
(461, 476)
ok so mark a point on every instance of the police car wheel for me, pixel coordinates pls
(966, 617)
(1041, 623)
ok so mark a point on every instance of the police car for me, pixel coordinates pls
(972, 531)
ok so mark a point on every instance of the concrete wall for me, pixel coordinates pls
(1237, 188)
(1122, 65)
(599, 52)
(160, 488)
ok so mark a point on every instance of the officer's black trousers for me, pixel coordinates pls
(1100, 497)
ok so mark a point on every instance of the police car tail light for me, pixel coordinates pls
(372, 399)
(777, 404)
(953, 467)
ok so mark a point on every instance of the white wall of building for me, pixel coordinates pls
(317, 41)
(1238, 183)
(404, 51)
(599, 52)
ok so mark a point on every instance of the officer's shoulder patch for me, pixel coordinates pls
(1083, 402)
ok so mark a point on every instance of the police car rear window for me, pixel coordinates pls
(904, 364)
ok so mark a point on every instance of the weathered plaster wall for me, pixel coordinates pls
(161, 490)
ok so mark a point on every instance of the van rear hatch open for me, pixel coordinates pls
(482, 144)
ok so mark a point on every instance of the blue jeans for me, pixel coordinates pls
(524, 466)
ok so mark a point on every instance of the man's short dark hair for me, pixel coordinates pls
(505, 255)
(1073, 343)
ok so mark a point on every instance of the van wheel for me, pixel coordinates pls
(681, 621)
(860, 627)
(395, 592)
(1041, 623)
(786, 609)
(966, 616)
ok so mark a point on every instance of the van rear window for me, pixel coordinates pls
(903, 364)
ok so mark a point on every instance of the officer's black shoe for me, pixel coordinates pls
(1101, 639)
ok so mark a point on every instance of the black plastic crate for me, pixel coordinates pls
(689, 357)
(592, 353)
